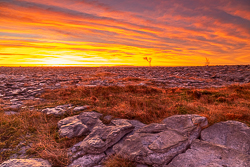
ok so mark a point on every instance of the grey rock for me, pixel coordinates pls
(54, 111)
(15, 107)
(205, 154)
(103, 137)
(78, 125)
(58, 110)
(81, 108)
(137, 125)
(73, 129)
(32, 162)
(66, 121)
(90, 119)
(156, 144)
(10, 112)
(107, 118)
(182, 122)
(231, 134)
(87, 160)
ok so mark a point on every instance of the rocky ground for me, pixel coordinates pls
(179, 140)
(27, 83)
(171, 142)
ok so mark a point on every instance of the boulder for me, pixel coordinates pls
(102, 137)
(182, 122)
(205, 154)
(78, 125)
(231, 134)
(156, 144)
(137, 125)
(32, 162)
(73, 129)
(88, 160)
(90, 119)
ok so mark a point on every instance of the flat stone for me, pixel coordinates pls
(54, 111)
(81, 108)
(181, 122)
(205, 154)
(73, 129)
(66, 121)
(10, 112)
(15, 107)
(231, 134)
(156, 144)
(79, 125)
(90, 119)
(102, 137)
(32, 162)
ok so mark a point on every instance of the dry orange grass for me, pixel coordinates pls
(116, 161)
(37, 130)
(147, 104)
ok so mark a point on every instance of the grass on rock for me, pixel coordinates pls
(146, 104)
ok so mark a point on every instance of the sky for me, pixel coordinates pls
(123, 32)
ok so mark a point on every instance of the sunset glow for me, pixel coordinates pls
(122, 32)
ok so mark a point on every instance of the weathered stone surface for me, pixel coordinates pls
(54, 111)
(32, 162)
(103, 137)
(79, 125)
(137, 125)
(88, 160)
(156, 144)
(205, 154)
(67, 120)
(81, 108)
(182, 122)
(231, 134)
(31, 82)
(107, 118)
(73, 129)
(90, 119)
(57, 111)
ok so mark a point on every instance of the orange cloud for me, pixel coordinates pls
(109, 32)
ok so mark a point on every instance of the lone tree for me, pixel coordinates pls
(148, 59)
(207, 62)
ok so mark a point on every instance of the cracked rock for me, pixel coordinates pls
(205, 154)
(231, 134)
(156, 144)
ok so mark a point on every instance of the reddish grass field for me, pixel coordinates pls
(144, 103)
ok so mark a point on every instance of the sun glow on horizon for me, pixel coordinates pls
(110, 33)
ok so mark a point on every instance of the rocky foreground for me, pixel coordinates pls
(178, 141)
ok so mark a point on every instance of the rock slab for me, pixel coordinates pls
(205, 154)
(32, 162)
(78, 125)
(231, 134)
(156, 144)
